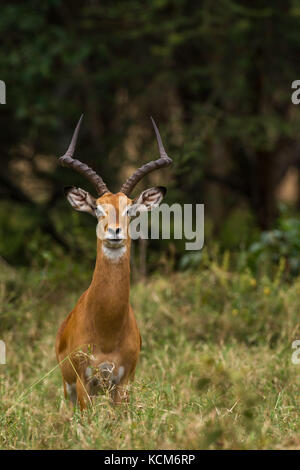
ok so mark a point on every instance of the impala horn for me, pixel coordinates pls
(67, 160)
(161, 162)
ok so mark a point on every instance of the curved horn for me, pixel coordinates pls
(161, 162)
(68, 161)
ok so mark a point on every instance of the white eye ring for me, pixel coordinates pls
(99, 211)
(131, 210)
(126, 211)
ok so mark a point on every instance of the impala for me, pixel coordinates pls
(98, 344)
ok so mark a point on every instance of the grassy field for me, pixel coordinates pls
(215, 369)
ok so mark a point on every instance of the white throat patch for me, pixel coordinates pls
(114, 254)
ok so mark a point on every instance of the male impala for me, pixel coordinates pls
(98, 344)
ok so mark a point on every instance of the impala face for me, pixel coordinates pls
(113, 212)
(113, 220)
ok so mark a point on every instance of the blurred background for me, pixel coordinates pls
(216, 76)
(218, 324)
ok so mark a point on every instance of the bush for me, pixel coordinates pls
(281, 243)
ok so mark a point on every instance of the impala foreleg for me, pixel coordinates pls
(70, 392)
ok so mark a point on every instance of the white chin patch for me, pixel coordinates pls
(114, 254)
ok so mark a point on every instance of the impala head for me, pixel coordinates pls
(114, 211)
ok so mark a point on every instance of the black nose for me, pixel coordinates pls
(115, 232)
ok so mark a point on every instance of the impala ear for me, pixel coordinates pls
(147, 200)
(80, 200)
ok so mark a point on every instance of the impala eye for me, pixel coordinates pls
(99, 211)
(126, 211)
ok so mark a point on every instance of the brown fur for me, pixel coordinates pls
(102, 324)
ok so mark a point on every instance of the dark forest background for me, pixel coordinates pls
(216, 76)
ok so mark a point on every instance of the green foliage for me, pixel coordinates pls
(238, 230)
(215, 370)
(21, 238)
(202, 70)
(281, 243)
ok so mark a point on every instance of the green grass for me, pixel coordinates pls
(215, 369)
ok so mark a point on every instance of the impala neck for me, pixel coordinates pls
(108, 294)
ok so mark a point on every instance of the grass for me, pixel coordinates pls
(215, 370)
